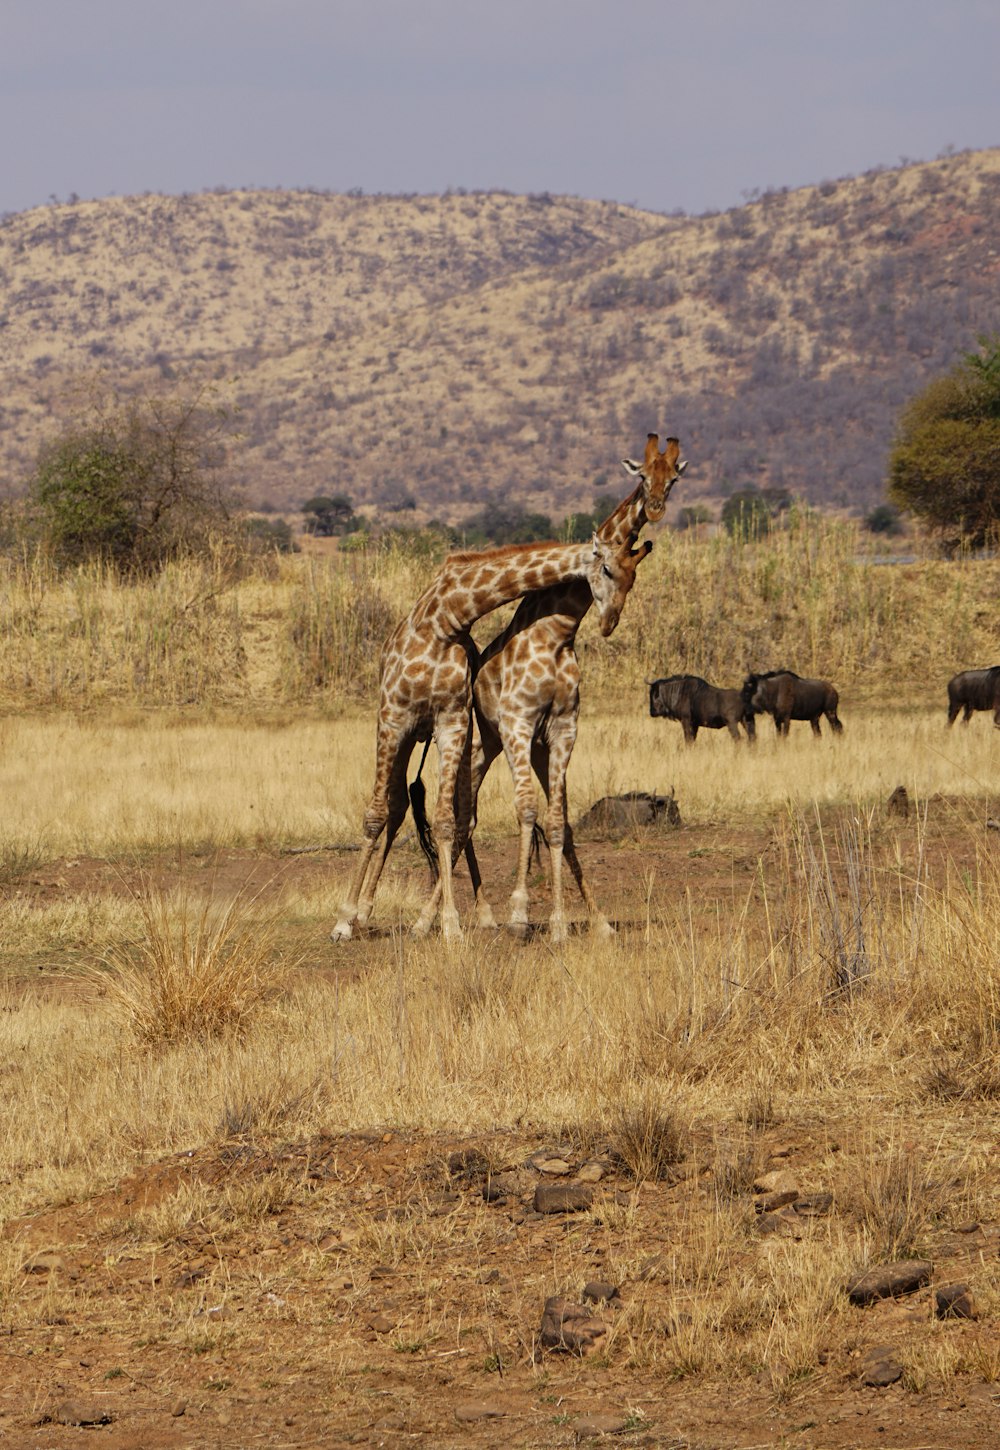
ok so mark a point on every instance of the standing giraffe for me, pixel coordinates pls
(527, 700)
(426, 690)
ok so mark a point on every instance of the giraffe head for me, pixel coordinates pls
(658, 472)
(611, 576)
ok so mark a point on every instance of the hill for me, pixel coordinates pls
(443, 351)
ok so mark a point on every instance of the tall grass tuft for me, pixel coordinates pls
(198, 971)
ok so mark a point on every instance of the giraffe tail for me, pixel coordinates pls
(418, 805)
(538, 840)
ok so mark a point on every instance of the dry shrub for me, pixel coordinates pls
(898, 1196)
(648, 1139)
(198, 971)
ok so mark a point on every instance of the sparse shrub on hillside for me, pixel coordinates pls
(945, 465)
(883, 519)
(507, 523)
(135, 483)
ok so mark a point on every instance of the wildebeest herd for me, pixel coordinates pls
(786, 696)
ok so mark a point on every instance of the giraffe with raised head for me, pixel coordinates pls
(527, 699)
(425, 691)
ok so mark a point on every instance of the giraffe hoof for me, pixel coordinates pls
(605, 930)
(486, 919)
(558, 931)
(343, 931)
(420, 928)
(518, 928)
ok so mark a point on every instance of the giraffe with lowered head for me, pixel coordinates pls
(526, 698)
(426, 691)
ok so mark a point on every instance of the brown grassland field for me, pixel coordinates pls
(260, 1189)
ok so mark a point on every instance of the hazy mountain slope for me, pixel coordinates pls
(462, 346)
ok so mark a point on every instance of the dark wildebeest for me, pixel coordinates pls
(974, 690)
(786, 696)
(694, 702)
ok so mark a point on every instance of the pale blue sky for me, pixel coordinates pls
(656, 102)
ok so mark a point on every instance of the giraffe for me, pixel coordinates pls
(426, 691)
(526, 697)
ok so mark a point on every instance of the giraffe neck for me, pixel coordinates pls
(562, 606)
(470, 585)
(625, 524)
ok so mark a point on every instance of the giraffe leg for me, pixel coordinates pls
(451, 735)
(561, 737)
(398, 805)
(387, 746)
(516, 735)
(485, 749)
(547, 771)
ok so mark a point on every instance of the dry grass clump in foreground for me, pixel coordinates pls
(198, 969)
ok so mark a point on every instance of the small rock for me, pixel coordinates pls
(598, 1291)
(178, 1408)
(45, 1264)
(563, 1197)
(569, 1326)
(588, 1425)
(381, 1323)
(552, 1167)
(813, 1205)
(880, 1367)
(778, 1181)
(381, 1271)
(781, 1222)
(474, 1410)
(591, 1172)
(71, 1412)
(890, 1281)
(771, 1202)
(387, 1422)
(955, 1301)
(898, 803)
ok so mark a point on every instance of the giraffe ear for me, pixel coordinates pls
(681, 466)
(630, 466)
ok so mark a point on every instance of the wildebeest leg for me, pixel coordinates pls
(968, 715)
(398, 806)
(954, 706)
(389, 744)
(814, 724)
(690, 730)
(750, 726)
(835, 722)
(733, 729)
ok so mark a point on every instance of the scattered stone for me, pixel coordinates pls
(189, 1277)
(387, 1422)
(898, 803)
(554, 1167)
(780, 1180)
(569, 1326)
(890, 1281)
(473, 1410)
(771, 1202)
(563, 1197)
(880, 1367)
(591, 1425)
(955, 1301)
(598, 1291)
(381, 1271)
(972, 1227)
(813, 1205)
(178, 1408)
(381, 1323)
(45, 1264)
(73, 1412)
(782, 1222)
(591, 1172)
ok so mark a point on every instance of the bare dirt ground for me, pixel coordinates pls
(394, 1295)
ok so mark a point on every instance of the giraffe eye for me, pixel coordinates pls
(607, 572)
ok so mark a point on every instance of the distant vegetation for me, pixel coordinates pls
(440, 357)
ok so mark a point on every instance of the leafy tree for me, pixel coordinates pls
(329, 514)
(746, 514)
(883, 519)
(271, 534)
(694, 514)
(135, 482)
(945, 462)
(578, 528)
(507, 523)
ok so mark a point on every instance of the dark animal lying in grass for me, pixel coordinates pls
(785, 696)
(696, 703)
(624, 812)
(974, 690)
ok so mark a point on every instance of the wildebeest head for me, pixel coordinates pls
(658, 472)
(668, 696)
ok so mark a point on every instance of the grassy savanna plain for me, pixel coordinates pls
(242, 1170)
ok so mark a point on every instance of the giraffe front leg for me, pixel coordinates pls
(388, 746)
(516, 737)
(452, 738)
(561, 739)
(398, 804)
